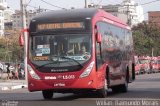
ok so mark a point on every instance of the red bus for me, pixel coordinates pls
(56, 63)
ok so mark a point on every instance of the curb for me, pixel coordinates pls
(13, 87)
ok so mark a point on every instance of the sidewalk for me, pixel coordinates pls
(12, 84)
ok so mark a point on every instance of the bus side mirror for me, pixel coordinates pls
(21, 37)
(21, 40)
(98, 37)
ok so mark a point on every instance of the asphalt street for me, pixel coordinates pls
(144, 91)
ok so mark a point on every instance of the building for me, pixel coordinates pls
(128, 11)
(8, 15)
(8, 26)
(154, 18)
(113, 9)
(3, 6)
(17, 17)
(131, 12)
(8, 19)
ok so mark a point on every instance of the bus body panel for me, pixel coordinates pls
(62, 80)
(117, 75)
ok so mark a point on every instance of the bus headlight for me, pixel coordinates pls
(88, 70)
(32, 73)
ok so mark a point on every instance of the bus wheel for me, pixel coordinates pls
(1, 73)
(116, 89)
(103, 92)
(120, 88)
(124, 87)
(47, 94)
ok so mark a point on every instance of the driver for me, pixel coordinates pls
(84, 52)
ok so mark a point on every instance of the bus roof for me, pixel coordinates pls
(74, 14)
(64, 15)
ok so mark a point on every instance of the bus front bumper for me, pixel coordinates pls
(61, 85)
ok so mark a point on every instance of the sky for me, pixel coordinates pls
(15, 4)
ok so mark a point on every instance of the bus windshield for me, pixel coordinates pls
(65, 50)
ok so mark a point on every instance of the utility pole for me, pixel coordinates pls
(86, 4)
(152, 52)
(128, 16)
(23, 10)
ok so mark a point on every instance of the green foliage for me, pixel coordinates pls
(10, 51)
(146, 38)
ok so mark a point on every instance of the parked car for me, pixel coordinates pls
(137, 65)
(137, 68)
(145, 65)
(158, 61)
(154, 64)
(1, 70)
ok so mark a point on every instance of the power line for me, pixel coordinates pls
(38, 7)
(99, 2)
(150, 2)
(32, 6)
(53, 5)
(28, 3)
(113, 2)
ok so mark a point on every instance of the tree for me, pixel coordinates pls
(146, 38)
(9, 47)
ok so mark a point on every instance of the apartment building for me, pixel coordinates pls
(17, 17)
(128, 11)
(3, 6)
(154, 18)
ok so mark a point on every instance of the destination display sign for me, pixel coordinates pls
(67, 25)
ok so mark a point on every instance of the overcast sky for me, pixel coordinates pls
(15, 4)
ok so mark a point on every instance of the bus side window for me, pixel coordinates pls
(99, 61)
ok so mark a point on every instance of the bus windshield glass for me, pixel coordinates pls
(64, 50)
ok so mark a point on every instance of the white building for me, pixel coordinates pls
(113, 9)
(3, 6)
(8, 14)
(17, 17)
(130, 12)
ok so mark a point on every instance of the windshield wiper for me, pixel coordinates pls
(45, 65)
(64, 57)
(57, 61)
(52, 62)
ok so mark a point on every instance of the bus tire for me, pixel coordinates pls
(1, 73)
(124, 87)
(107, 77)
(120, 88)
(47, 94)
(133, 72)
(102, 93)
(116, 89)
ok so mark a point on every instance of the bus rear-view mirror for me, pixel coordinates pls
(99, 37)
(21, 40)
(21, 36)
